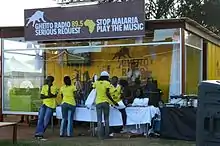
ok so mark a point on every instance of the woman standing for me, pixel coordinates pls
(116, 91)
(103, 96)
(48, 94)
(68, 94)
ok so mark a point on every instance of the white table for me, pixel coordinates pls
(135, 115)
(14, 132)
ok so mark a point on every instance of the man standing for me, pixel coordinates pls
(133, 73)
(48, 95)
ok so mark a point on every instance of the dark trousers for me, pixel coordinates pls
(124, 116)
(118, 129)
(102, 108)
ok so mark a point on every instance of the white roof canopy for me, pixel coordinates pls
(13, 65)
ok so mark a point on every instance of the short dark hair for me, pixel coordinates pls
(141, 92)
(123, 83)
(67, 80)
(104, 78)
(115, 77)
(50, 78)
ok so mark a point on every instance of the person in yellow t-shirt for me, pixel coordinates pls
(68, 94)
(116, 91)
(103, 97)
(48, 95)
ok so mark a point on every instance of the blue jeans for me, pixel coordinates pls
(66, 127)
(44, 116)
(156, 125)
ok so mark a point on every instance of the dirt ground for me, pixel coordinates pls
(25, 137)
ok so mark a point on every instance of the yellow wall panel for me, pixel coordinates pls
(159, 67)
(213, 62)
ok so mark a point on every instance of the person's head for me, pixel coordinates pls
(104, 76)
(67, 80)
(114, 80)
(50, 80)
(123, 83)
(139, 92)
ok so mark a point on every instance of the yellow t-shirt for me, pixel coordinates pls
(50, 102)
(101, 87)
(115, 93)
(68, 94)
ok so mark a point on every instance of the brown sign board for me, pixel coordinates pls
(102, 21)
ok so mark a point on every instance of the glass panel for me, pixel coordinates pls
(193, 69)
(24, 70)
(23, 76)
(193, 40)
(27, 63)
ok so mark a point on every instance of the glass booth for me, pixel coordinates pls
(193, 62)
(26, 64)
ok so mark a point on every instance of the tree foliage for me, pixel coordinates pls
(160, 9)
(205, 12)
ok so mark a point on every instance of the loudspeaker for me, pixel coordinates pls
(208, 114)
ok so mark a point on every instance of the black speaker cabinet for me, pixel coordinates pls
(208, 114)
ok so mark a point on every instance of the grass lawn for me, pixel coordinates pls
(26, 133)
(88, 141)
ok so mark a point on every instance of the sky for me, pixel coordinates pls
(12, 12)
